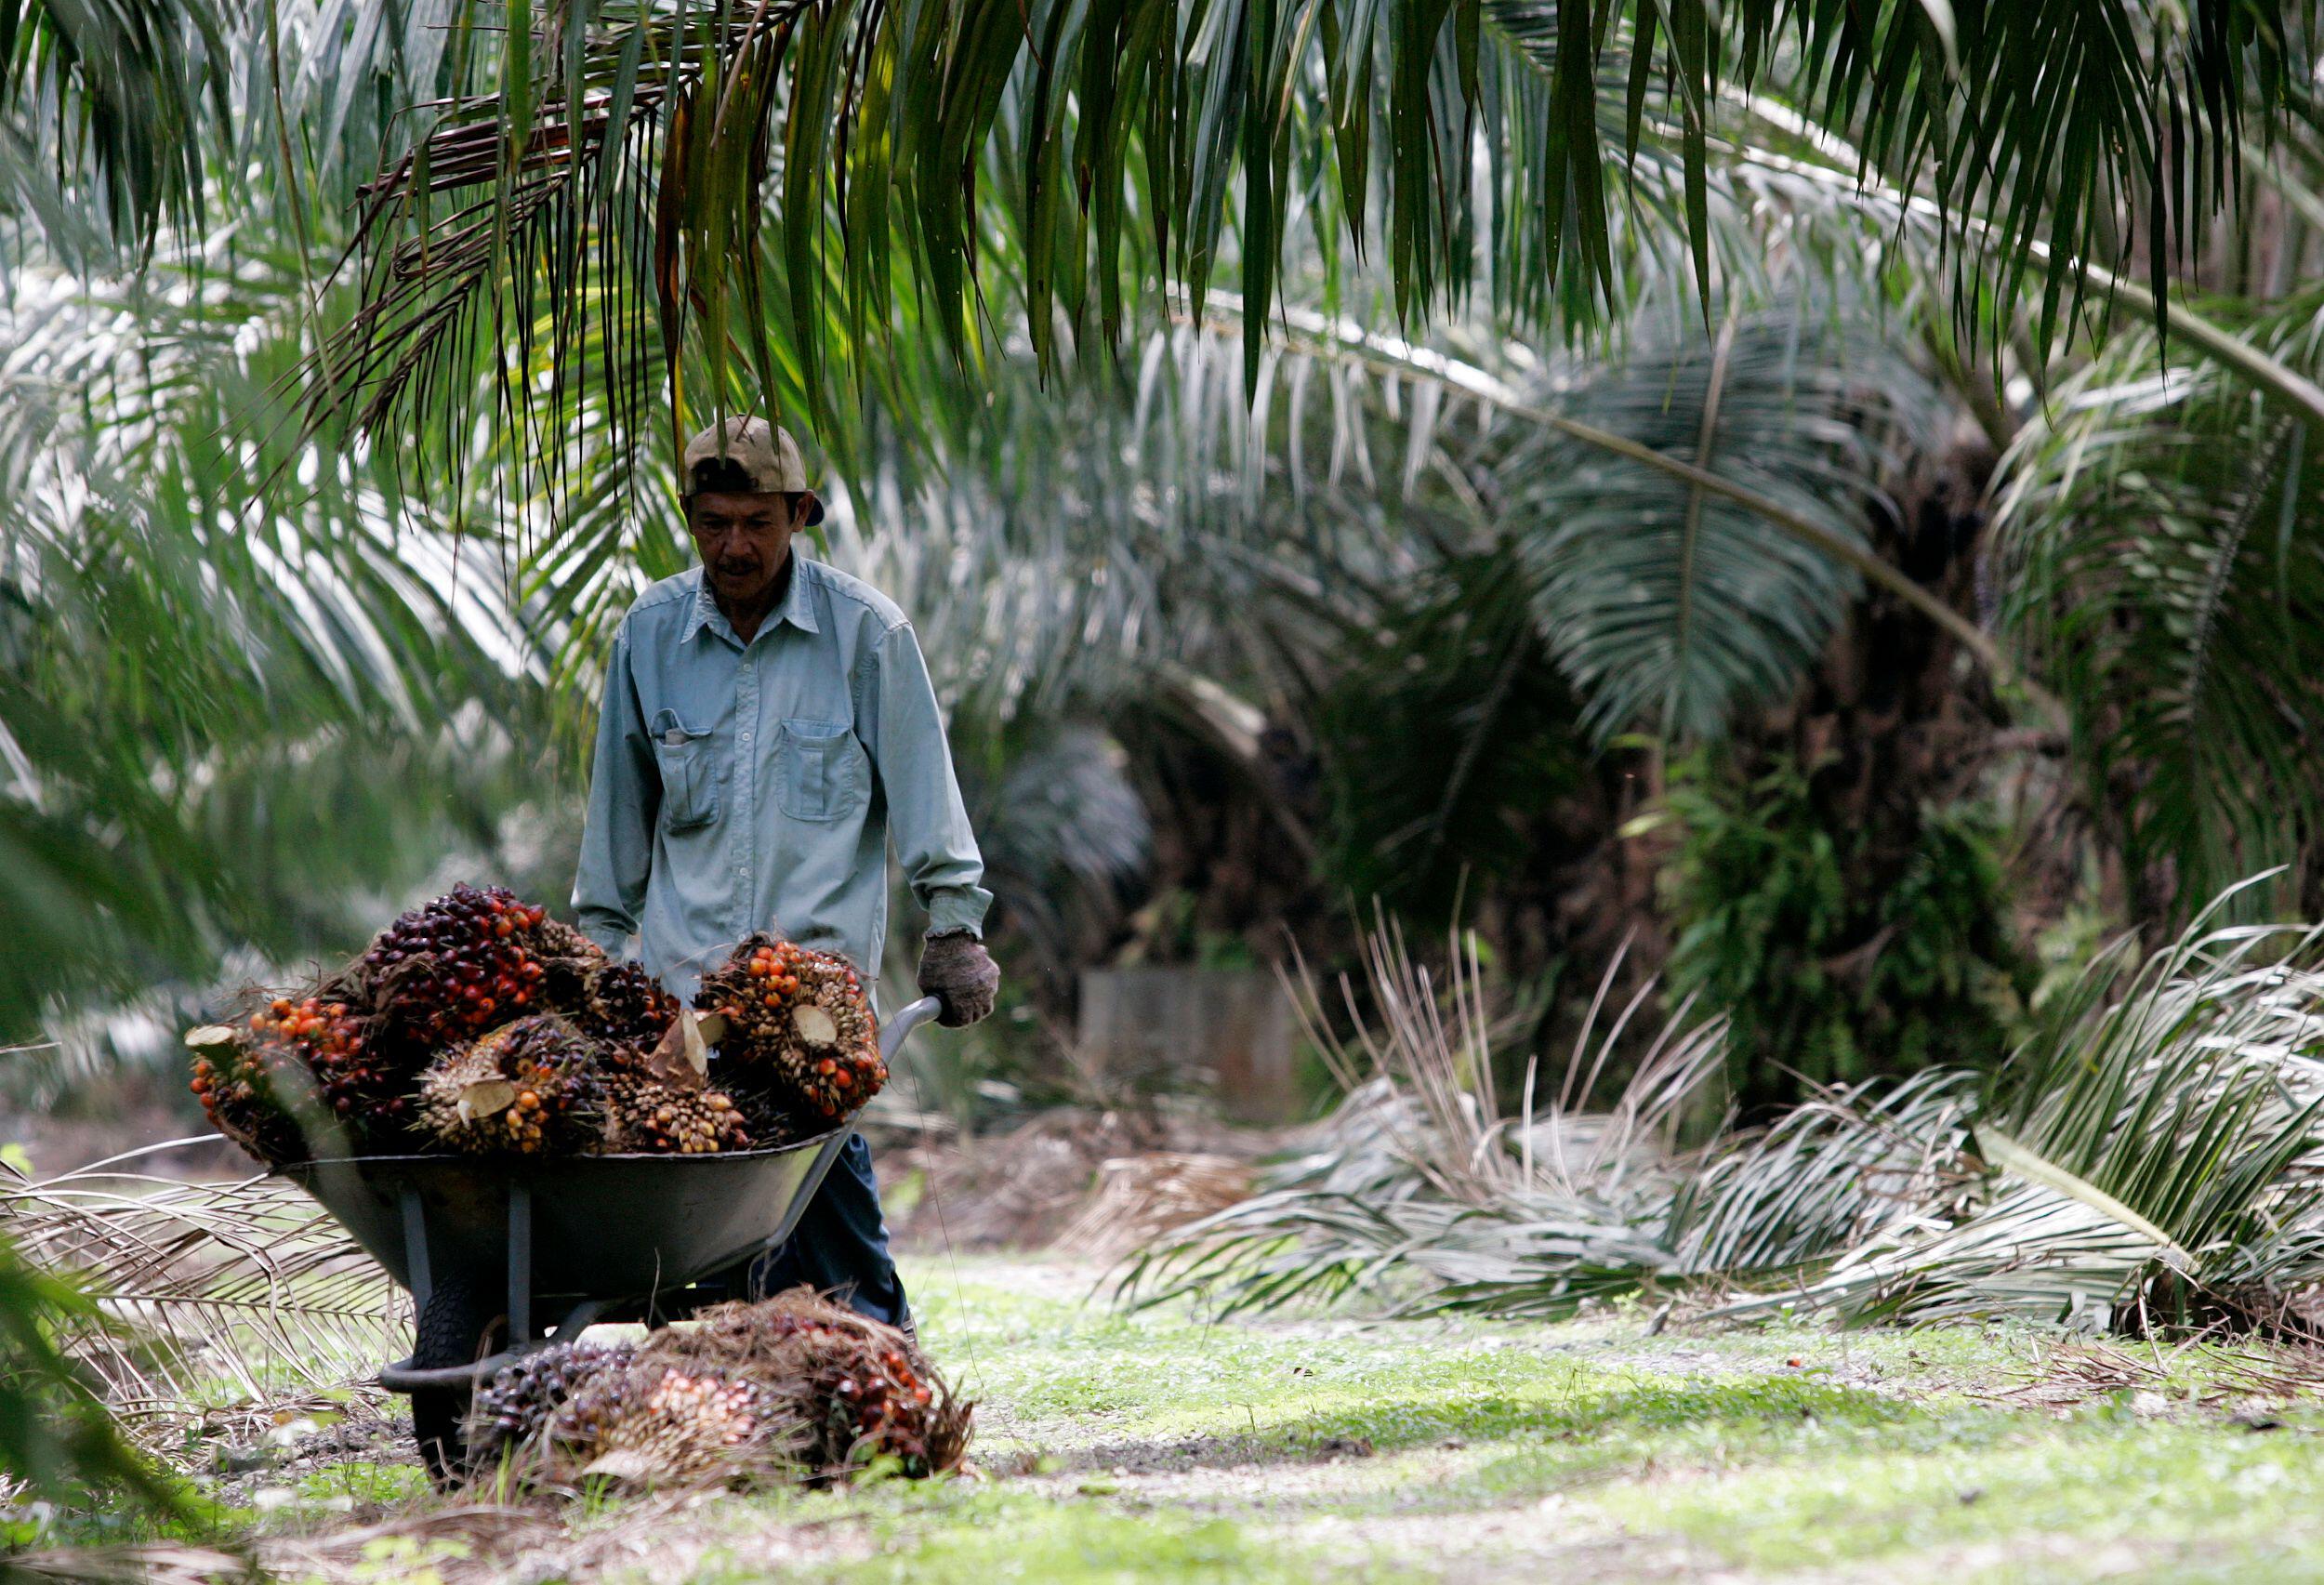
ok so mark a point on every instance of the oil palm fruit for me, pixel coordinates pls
(799, 1027)
(357, 1073)
(663, 1423)
(646, 1115)
(512, 1408)
(869, 1397)
(460, 965)
(860, 1390)
(249, 1089)
(793, 1386)
(623, 1003)
(535, 1087)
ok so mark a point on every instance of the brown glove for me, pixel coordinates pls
(957, 970)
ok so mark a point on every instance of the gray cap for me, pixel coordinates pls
(765, 453)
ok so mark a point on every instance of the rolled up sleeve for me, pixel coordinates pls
(926, 821)
(625, 793)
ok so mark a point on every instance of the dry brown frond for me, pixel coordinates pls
(219, 1296)
(1141, 1198)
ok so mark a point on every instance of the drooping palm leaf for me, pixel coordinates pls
(2165, 529)
(215, 710)
(1670, 608)
(1065, 151)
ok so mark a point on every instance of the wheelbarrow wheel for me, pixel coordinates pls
(455, 1327)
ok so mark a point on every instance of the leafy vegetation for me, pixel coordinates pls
(57, 1435)
(1824, 982)
(2133, 1164)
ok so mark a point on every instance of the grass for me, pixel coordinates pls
(1155, 1447)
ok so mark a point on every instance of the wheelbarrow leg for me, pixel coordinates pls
(519, 1262)
(415, 1248)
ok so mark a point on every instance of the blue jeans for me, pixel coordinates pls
(840, 1245)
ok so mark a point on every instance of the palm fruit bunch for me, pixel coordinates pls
(535, 1087)
(461, 964)
(514, 1409)
(665, 1422)
(799, 1027)
(251, 1089)
(648, 1116)
(792, 1386)
(622, 1003)
(861, 1390)
(870, 1395)
(315, 1060)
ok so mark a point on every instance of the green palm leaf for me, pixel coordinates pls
(1670, 608)
(2165, 531)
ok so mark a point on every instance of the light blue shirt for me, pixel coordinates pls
(739, 787)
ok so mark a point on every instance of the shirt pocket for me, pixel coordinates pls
(689, 772)
(819, 771)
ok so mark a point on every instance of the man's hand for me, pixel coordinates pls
(957, 970)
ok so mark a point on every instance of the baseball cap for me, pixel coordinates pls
(765, 453)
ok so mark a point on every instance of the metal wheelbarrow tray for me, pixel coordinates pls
(583, 1239)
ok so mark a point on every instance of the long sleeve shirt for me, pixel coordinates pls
(746, 786)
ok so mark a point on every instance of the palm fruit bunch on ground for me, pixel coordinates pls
(671, 1423)
(798, 1029)
(513, 1410)
(535, 1086)
(793, 1387)
(655, 1114)
(861, 1390)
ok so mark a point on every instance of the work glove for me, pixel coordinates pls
(958, 972)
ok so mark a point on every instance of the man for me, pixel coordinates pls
(768, 728)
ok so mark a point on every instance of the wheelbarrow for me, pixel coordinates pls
(488, 1247)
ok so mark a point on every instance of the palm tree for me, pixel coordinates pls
(572, 229)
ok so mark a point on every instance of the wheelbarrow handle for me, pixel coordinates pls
(906, 1018)
(893, 1032)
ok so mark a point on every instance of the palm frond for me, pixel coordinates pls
(1670, 608)
(218, 1300)
(208, 702)
(2147, 1159)
(2165, 537)
(943, 163)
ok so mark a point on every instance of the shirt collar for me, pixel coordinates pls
(798, 607)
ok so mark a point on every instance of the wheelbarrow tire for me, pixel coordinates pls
(453, 1329)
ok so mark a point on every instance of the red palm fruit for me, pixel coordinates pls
(435, 974)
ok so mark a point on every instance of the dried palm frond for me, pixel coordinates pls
(1419, 1190)
(2150, 1155)
(1141, 1198)
(217, 1293)
(2150, 1158)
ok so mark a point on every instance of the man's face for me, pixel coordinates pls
(744, 541)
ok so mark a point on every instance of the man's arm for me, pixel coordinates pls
(904, 730)
(625, 792)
